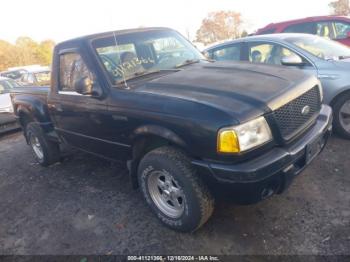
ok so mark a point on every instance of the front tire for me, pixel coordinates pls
(45, 151)
(341, 122)
(173, 190)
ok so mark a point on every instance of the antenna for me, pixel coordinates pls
(118, 51)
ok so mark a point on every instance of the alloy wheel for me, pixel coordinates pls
(166, 193)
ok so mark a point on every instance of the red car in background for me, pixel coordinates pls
(333, 27)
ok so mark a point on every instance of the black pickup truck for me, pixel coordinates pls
(184, 125)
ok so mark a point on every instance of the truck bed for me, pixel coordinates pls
(32, 90)
(27, 92)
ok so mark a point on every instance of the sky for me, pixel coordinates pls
(63, 19)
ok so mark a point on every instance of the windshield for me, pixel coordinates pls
(14, 74)
(130, 55)
(321, 47)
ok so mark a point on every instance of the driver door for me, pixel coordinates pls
(79, 119)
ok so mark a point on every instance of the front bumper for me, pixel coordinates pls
(284, 162)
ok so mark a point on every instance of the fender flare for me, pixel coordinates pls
(143, 132)
(340, 93)
(35, 110)
(158, 131)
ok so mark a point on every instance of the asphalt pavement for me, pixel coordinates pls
(85, 205)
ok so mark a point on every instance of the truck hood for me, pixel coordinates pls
(243, 90)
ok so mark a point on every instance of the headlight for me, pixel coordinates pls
(243, 137)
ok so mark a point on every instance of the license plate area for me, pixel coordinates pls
(313, 149)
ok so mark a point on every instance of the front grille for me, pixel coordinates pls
(290, 119)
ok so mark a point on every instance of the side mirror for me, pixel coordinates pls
(84, 86)
(292, 60)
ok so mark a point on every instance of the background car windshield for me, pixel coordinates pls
(320, 47)
(14, 74)
(126, 56)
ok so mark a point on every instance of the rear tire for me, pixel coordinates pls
(173, 190)
(45, 151)
(341, 121)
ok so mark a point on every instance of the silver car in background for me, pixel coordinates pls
(327, 59)
(7, 118)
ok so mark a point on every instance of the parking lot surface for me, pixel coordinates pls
(85, 205)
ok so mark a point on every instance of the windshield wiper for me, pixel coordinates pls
(144, 73)
(188, 62)
(191, 61)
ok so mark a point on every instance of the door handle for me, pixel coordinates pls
(56, 107)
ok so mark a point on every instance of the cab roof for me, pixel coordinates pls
(110, 33)
(280, 37)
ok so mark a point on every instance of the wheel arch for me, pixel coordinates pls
(145, 139)
(341, 93)
(27, 112)
(24, 116)
(337, 124)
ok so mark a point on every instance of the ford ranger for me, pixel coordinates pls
(184, 125)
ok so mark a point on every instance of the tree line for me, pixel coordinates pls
(217, 26)
(24, 52)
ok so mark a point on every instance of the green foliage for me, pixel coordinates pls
(25, 52)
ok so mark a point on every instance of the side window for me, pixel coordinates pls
(208, 54)
(231, 53)
(72, 69)
(324, 29)
(341, 29)
(259, 52)
(306, 28)
(269, 53)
